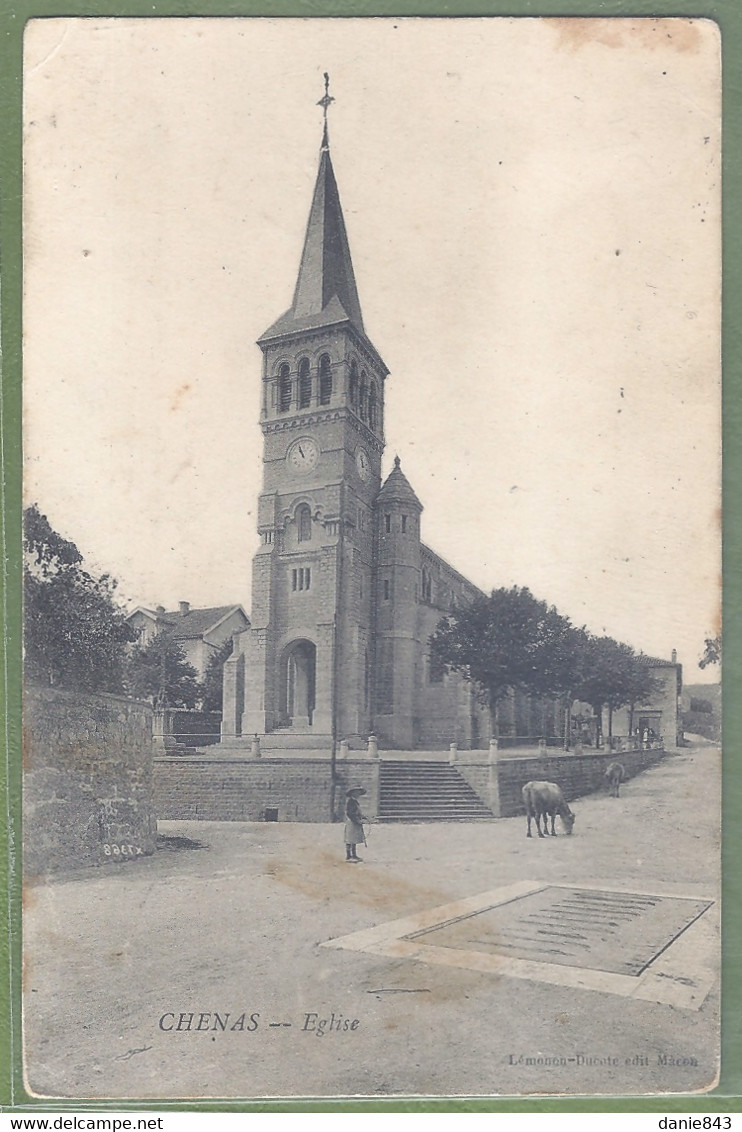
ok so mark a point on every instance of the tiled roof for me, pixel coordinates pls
(197, 622)
(191, 625)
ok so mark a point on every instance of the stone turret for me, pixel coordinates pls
(397, 518)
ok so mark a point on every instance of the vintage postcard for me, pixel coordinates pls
(371, 399)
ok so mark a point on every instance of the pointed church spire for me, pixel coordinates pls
(325, 291)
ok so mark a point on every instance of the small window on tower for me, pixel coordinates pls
(304, 519)
(387, 523)
(301, 578)
(404, 524)
(372, 406)
(325, 380)
(387, 589)
(284, 389)
(353, 385)
(305, 384)
(364, 397)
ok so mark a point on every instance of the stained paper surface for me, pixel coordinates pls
(533, 212)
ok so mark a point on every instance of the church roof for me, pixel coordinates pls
(326, 291)
(397, 489)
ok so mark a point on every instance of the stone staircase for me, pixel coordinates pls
(427, 791)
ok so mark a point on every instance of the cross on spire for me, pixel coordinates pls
(324, 102)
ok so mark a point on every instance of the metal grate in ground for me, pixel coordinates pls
(657, 947)
(577, 927)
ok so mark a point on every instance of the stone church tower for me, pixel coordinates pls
(344, 594)
(308, 658)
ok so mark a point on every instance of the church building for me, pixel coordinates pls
(345, 594)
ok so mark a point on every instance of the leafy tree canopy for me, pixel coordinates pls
(160, 672)
(510, 639)
(711, 652)
(640, 683)
(615, 676)
(46, 553)
(75, 635)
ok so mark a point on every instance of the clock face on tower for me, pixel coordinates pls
(303, 455)
(363, 463)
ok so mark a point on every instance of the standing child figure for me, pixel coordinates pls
(353, 823)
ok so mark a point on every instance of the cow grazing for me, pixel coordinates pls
(545, 800)
(615, 774)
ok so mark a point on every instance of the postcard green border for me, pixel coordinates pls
(13, 16)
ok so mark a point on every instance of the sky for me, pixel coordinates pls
(533, 211)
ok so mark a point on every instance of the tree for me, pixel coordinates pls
(711, 652)
(614, 676)
(212, 686)
(506, 640)
(605, 679)
(75, 635)
(160, 672)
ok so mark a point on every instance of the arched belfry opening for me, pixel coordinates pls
(298, 667)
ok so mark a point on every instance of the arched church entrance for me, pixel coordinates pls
(298, 674)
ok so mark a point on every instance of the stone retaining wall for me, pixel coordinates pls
(265, 789)
(576, 774)
(87, 781)
(208, 788)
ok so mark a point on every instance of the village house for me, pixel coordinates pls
(199, 632)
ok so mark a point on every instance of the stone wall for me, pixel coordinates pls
(576, 774)
(483, 778)
(230, 789)
(87, 782)
(191, 787)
